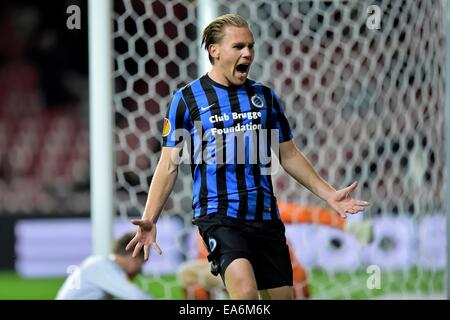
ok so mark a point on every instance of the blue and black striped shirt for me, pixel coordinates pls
(228, 133)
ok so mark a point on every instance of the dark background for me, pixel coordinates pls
(44, 147)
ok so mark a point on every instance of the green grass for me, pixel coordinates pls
(15, 287)
(394, 283)
(323, 285)
(165, 287)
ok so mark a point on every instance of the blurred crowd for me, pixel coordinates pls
(43, 109)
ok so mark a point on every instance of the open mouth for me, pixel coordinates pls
(242, 68)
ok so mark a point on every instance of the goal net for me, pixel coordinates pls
(363, 88)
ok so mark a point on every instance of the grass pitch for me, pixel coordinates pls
(412, 284)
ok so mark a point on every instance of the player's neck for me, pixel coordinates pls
(218, 77)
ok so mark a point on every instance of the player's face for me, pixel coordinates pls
(233, 56)
(134, 266)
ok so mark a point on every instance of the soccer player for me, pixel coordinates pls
(234, 205)
(101, 278)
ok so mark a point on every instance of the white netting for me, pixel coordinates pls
(363, 105)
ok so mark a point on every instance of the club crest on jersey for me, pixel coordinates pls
(257, 101)
(166, 127)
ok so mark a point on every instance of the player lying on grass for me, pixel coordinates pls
(106, 277)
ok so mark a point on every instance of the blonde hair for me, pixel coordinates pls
(213, 33)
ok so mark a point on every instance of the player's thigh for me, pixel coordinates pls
(240, 280)
(280, 293)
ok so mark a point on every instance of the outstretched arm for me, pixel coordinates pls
(162, 184)
(298, 167)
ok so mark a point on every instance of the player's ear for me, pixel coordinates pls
(214, 51)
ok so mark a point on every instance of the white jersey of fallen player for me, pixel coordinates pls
(99, 278)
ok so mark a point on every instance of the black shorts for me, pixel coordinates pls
(263, 243)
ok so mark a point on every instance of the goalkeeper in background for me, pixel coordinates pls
(102, 278)
(233, 200)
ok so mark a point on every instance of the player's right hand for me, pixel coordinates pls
(144, 238)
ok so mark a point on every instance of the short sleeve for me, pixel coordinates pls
(280, 121)
(176, 123)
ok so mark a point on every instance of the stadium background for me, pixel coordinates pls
(364, 105)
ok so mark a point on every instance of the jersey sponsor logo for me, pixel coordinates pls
(251, 115)
(166, 127)
(257, 101)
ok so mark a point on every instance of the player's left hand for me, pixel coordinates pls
(343, 203)
(145, 238)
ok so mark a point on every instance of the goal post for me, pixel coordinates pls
(101, 124)
(207, 11)
(447, 133)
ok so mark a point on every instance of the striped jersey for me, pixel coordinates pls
(227, 134)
